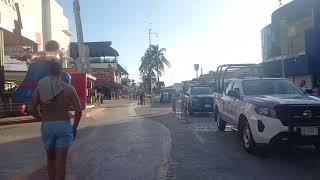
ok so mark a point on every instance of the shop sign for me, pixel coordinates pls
(103, 74)
(8, 14)
(104, 65)
(14, 65)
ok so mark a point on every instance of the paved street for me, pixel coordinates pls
(200, 151)
(130, 142)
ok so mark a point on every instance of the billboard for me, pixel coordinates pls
(104, 74)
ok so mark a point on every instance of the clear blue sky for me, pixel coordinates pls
(208, 32)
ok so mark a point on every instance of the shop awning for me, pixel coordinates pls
(122, 70)
(96, 49)
(109, 84)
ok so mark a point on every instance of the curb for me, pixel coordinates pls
(93, 112)
(18, 121)
(27, 120)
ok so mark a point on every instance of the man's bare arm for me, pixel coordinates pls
(77, 108)
(35, 104)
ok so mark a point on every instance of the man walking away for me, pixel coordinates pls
(54, 97)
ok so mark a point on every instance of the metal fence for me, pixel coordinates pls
(179, 109)
(7, 109)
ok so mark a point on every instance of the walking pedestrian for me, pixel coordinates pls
(98, 99)
(54, 97)
(141, 98)
(101, 98)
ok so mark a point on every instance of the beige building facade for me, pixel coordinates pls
(26, 25)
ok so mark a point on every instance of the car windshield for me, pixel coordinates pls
(270, 86)
(201, 90)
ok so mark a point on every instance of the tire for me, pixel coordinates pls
(220, 123)
(247, 139)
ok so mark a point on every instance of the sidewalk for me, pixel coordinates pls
(153, 110)
(87, 113)
(17, 120)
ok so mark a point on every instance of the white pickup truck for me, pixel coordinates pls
(268, 111)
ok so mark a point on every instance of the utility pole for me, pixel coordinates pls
(149, 37)
(282, 69)
(150, 34)
(2, 79)
(81, 48)
(150, 45)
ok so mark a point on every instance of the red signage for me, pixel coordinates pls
(104, 74)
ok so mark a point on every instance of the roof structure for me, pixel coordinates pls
(96, 49)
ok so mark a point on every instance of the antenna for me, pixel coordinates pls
(280, 3)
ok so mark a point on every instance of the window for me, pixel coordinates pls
(200, 90)
(236, 87)
(228, 88)
(270, 86)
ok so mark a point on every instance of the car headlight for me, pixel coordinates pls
(266, 111)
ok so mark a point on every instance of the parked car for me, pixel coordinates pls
(267, 111)
(199, 99)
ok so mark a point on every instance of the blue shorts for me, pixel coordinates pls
(56, 134)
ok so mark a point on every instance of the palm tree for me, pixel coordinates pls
(153, 62)
(159, 60)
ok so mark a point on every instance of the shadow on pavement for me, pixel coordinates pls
(219, 155)
(25, 155)
(127, 150)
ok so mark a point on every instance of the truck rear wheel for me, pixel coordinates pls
(247, 139)
(220, 123)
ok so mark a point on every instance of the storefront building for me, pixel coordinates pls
(290, 43)
(25, 28)
(111, 77)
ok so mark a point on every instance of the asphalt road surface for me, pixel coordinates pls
(200, 151)
(146, 143)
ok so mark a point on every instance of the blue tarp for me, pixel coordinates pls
(36, 71)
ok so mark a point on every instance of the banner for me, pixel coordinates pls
(104, 74)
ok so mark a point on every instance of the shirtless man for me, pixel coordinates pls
(51, 51)
(56, 129)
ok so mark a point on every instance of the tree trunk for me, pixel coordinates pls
(158, 78)
(150, 76)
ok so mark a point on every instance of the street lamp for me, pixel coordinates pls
(83, 61)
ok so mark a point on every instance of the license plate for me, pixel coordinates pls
(309, 131)
(207, 106)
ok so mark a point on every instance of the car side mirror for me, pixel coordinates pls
(234, 94)
(309, 91)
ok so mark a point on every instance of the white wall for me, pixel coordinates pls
(31, 16)
(54, 24)
(59, 22)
